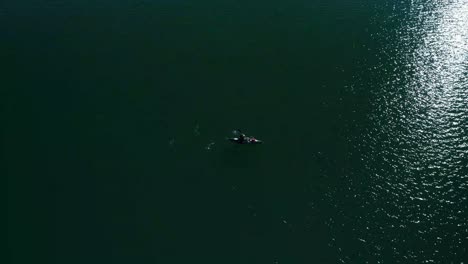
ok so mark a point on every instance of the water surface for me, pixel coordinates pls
(115, 114)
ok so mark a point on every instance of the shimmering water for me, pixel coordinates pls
(416, 150)
(114, 116)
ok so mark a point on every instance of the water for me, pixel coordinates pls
(419, 137)
(115, 112)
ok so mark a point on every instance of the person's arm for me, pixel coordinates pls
(238, 131)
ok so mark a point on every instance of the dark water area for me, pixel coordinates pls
(114, 118)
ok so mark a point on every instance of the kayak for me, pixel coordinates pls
(247, 140)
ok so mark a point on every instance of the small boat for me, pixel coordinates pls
(247, 140)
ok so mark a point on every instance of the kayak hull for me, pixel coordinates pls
(247, 141)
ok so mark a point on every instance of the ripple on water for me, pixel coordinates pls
(416, 150)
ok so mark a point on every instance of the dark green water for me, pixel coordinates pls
(114, 115)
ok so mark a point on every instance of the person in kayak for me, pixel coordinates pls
(242, 138)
